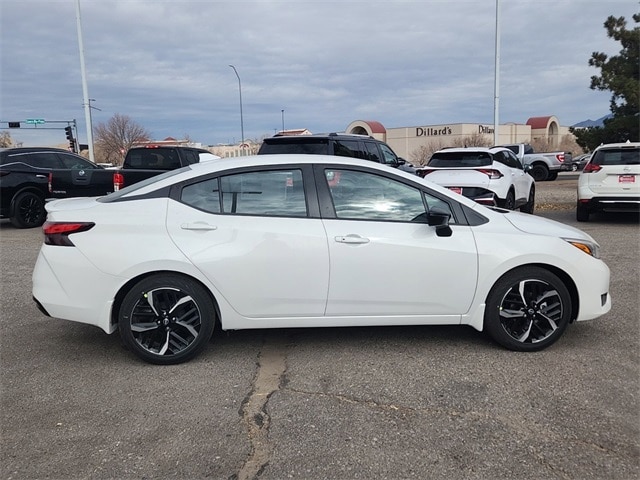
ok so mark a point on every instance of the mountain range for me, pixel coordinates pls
(592, 123)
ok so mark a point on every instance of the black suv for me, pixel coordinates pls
(339, 144)
(24, 181)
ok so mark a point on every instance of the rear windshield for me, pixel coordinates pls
(311, 146)
(460, 159)
(617, 156)
(152, 159)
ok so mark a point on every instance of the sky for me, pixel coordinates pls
(316, 64)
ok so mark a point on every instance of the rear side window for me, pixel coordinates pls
(47, 160)
(191, 157)
(617, 156)
(347, 148)
(305, 146)
(460, 159)
(265, 193)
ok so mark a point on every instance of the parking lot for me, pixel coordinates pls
(384, 403)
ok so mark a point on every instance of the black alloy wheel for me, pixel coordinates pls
(528, 309)
(510, 202)
(531, 201)
(28, 210)
(539, 172)
(166, 319)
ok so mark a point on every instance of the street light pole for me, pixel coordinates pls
(85, 90)
(91, 121)
(241, 119)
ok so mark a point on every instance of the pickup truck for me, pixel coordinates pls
(139, 164)
(544, 166)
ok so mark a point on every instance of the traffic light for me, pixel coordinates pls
(72, 141)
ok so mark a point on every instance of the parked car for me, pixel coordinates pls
(544, 166)
(578, 163)
(24, 180)
(339, 144)
(139, 164)
(308, 241)
(610, 181)
(491, 176)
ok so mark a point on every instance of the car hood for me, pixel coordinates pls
(543, 226)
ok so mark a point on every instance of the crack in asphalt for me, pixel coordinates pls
(270, 371)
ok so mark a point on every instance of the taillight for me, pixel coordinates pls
(591, 168)
(491, 173)
(118, 181)
(57, 233)
(560, 157)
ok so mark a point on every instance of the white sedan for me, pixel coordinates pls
(281, 241)
(490, 176)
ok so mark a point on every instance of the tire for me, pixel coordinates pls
(531, 201)
(582, 213)
(166, 319)
(510, 202)
(552, 176)
(539, 172)
(28, 210)
(528, 309)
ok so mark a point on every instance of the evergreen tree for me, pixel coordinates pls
(620, 75)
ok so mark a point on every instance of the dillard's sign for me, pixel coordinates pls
(438, 131)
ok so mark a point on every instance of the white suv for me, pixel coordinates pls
(610, 181)
(490, 176)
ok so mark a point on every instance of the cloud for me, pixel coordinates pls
(326, 63)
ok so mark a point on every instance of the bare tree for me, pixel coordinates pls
(5, 140)
(116, 136)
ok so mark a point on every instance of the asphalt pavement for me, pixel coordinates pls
(343, 403)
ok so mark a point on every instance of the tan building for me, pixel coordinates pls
(406, 140)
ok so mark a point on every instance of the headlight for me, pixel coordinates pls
(590, 248)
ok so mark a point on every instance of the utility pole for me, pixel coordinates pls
(85, 89)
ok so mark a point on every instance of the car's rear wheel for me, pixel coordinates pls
(552, 176)
(531, 201)
(527, 309)
(28, 210)
(539, 172)
(582, 213)
(510, 201)
(166, 319)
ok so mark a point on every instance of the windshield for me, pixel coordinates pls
(460, 159)
(137, 186)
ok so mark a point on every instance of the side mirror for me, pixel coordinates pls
(440, 219)
(401, 161)
(528, 168)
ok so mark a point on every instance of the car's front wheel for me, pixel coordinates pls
(166, 319)
(527, 309)
(28, 210)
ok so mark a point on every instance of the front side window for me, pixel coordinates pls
(270, 193)
(74, 163)
(365, 196)
(389, 157)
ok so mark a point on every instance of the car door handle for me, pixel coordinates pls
(198, 226)
(42, 176)
(352, 239)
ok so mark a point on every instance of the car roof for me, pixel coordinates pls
(472, 149)
(619, 145)
(327, 136)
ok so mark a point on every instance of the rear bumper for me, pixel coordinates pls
(611, 204)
